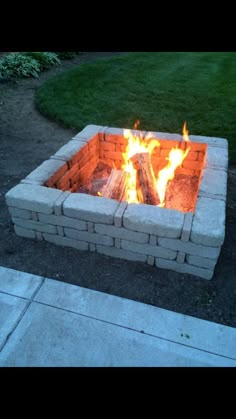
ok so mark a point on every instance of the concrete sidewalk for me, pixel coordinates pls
(44, 322)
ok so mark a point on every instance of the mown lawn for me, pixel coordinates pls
(161, 89)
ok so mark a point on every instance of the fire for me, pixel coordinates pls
(136, 144)
(175, 159)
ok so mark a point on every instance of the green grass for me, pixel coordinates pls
(161, 89)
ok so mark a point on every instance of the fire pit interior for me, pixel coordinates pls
(157, 198)
(136, 167)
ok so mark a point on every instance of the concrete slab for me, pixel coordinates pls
(66, 325)
(49, 337)
(164, 324)
(18, 283)
(11, 309)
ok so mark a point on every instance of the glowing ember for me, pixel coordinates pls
(175, 159)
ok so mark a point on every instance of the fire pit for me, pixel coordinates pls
(157, 198)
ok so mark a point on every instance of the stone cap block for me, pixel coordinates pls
(48, 169)
(90, 208)
(153, 220)
(32, 197)
(67, 151)
(164, 135)
(211, 141)
(216, 156)
(208, 226)
(89, 131)
(214, 182)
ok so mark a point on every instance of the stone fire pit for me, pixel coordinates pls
(46, 204)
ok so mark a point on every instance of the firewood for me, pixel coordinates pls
(116, 185)
(145, 179)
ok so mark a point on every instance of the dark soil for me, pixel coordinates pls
(26, 140)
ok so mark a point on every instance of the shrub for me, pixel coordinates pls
(67, 54)
(45, 59)
(15, 65)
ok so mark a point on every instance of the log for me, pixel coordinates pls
(145, 179)
(116, 185)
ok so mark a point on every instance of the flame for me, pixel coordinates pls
(136, 144)
(175, 159)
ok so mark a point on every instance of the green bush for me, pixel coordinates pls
(67, 54)
(16, 65)
(45, 59)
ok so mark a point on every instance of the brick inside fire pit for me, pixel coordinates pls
(48, 203)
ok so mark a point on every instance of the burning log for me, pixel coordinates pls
(116, 185)
(145, 179)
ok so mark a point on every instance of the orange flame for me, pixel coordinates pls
(136, 144)
(175, 159)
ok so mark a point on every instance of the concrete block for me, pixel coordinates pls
(146, 249)
(92, 247)
(34, 198)
(63, 221)
(188, 218)
(89, 131)
(216, 156)
(35, 216)
(69, 150)
(30, 182)
(120, 253)
(88, 237)
(153, 240)
(35, 225)
(201, 262)
(17, 212)
(90, 208)
(214, 182)
(118, 243)
(164, 136)
(90, 227)
(211, 196)
(60, 231)
(39, 235)
(150, 260)
(211, 141)
(114, 131)
(208, 226)
(48, 172)
(189, 248)
(184, 268)
(153, 220)
(118, 218)
(57, 207)
(121, 233)
(65, 241)
(24, 232)
(180, 257)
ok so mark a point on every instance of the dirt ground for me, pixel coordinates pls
(26, 140)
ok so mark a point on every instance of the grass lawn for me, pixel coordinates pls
(161, 89)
